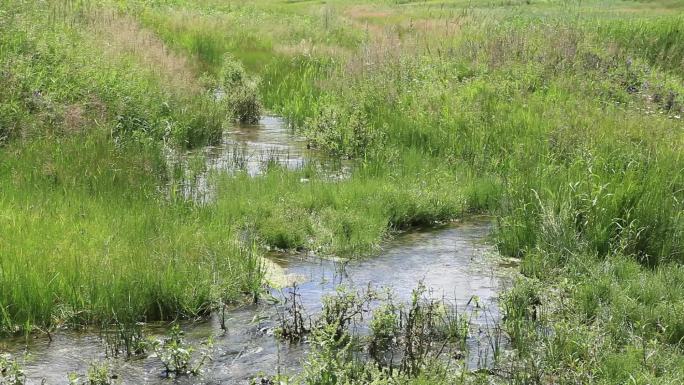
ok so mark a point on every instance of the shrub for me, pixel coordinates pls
(239, 90)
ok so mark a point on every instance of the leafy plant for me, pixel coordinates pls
(177, 356)
(99, 373)
(11, 371)
(238, 90)
(293, 325)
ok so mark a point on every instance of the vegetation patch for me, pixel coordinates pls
(561, 119)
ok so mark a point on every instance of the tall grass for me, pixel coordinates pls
(61, 78)
(87, 238)
(572, 124)
(87, 233)
(568, 128)
(656, 40)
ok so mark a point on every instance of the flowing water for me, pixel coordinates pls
(453, 261)
(252, 148)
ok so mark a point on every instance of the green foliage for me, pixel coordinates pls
(385, 334)
(656, 40)
(177, 356)
(87, 214)
(405, 345)
(11, 371)
(331, 359)
(99, 373)
(239, 90)
(609, 315)
(125, 340)
(59, 80)
(563, 120)
(343, 132)
(85, 179)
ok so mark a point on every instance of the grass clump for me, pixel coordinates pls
(239, 90)
(408, 344)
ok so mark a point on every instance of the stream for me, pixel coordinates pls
(252, 148)
(453, 261)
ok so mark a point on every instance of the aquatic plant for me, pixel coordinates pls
(124, 339)
(385, 332)
(293, 323)
(98, 373)
(344, 132)
(238, 90)
(402, 344)
(177, 356)
(11, 371)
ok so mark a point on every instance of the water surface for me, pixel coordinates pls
(253, 148)
(454, 261)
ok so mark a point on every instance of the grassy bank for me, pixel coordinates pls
(95, 228)
(88, 234)
(572, 112)
(564, 120)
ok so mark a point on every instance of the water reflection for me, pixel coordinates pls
(454, 261)
(253, 148)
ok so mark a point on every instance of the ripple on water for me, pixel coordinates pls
(453, 261)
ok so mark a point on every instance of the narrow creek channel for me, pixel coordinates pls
(252, 148)
(453, 261)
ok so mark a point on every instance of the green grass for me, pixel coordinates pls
(87, 238)
(94, 229)
(88, 234)
(562, 119)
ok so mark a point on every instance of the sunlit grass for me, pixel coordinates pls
(563, 119)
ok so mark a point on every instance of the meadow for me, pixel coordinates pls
(561, 119)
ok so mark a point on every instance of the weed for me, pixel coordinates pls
(401, 344)
(177, 356)
(293, 322)
(11, 371)
(385, 334)
(99, 373)
(124, 339)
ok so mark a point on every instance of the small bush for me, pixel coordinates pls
(239, 91)
(342, 131)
